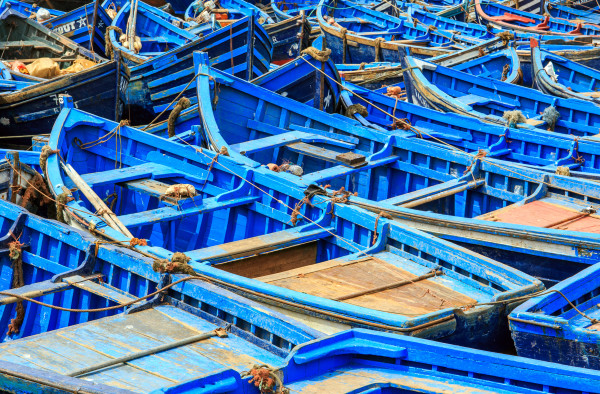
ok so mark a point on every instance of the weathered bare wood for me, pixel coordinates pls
(111, 219)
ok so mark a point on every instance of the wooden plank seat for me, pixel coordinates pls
(175, 212)
(258, 245)
(126, 174)
(545, 214)
(434, 192)
(337, 279)
(274, 130)
(283, 139)
(101, 289)
(494, 98)
(509, 17)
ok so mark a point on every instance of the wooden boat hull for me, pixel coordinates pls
(500, 240)
(349, 47)
(224, 254)
(512, 19)
(155, 84)
(99, 90)
(560, 334)
(344, 363)
(572, 79)
(159, 32)
(493, 98)
(289, 38)
(75, 26)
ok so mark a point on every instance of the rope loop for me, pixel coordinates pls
(108, 48)
(179, 264)
(182, 104)
(321, 56)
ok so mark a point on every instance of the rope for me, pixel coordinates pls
(46, 152)
(356, 109)
(265, 379)
(182, 104)
(15, 255)
(108, 48)
(343, 31)
(506, 37)
(321, 56)
(379, 215)
(505, 71)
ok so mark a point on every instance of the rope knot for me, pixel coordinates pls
(108, 48)
(265, 379)
(138, 242)
(321, 56)
(177, 265)
(46, 152)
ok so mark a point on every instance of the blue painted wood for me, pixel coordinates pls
(159, 81)
(558, 10)
(236, 9)
(513, 19)
(395, 167)
(364, 29)
(75, 26)
(52, 253)
(570, 79)
(301, 80)
(158, 31)
(27, 8)
(349, 362)
(559, 332)
(450, 90)
(532, 147)
(235, 213)
(34, 108)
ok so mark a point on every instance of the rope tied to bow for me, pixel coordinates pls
(265, 379)
(505, 71)
(15, 254)
(381, 214)
(514, 117)
(182, 104)
(356, 109)
(177, 265)
(321, 56)
(108, 48)
(61, 201)
(46, 152)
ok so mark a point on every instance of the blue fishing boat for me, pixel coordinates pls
(94, 283)
(562, 322)
(349, 362)
(289, 38)
(496, 14)
(357, 34)
(157, 31)
(447, 213)
(321, 238)
(449, 90)
(75, 25)
(559, 10)
(539, 149)
(158, 84)
(33, 109)
(557, 76)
